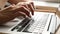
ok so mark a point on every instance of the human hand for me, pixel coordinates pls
(14, 11)
(28, 5)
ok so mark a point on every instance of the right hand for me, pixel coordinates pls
(27, 5)
(14, 11)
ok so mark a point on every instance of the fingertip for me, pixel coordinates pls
(31, 8)
(30, 16)
(32, 4)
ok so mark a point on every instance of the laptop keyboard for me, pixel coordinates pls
(21, 25)
(35, 24)
(39, 23)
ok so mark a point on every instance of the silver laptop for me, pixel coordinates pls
(39, 23)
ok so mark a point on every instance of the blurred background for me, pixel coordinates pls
(55, 1)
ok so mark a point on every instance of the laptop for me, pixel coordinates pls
(38, 23)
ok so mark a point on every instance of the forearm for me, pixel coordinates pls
(5, 18)
(7, 14)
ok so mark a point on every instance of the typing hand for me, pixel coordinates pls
(14, 11)
(27, 5)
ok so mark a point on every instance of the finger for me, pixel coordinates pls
(20, 14)
(6, 9)
(31, 8)
(24, 15)
(24, 10)
(32, 4)
(25, 6)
